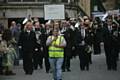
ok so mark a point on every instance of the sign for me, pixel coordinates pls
(101, 15)
(54, 12)
(112, 12)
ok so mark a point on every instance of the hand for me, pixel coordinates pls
(19, 47)
(83, 42)
(36, 49)
(56, 45)
(73, 48)
(55, 38)
(41, 48)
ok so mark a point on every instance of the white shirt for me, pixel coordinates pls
(83, 32)
(109, 28)
(50, 39)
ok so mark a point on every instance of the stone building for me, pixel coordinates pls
(19, 9)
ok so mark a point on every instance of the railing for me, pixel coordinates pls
(27, 0)
(12, 4)
(37, 1)
(34, 1)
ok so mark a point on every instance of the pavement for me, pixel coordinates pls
(98, 71)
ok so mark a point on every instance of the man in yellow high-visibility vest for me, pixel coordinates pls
(56, 45)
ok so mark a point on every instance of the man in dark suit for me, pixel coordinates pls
(110, 39)
(97, 38)
(27, 42)
(38, 56)
(69, 37)
(83, 41)
(43, 38)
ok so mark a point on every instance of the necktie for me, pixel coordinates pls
(83, 32)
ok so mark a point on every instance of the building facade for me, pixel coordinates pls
(85, 6)
(20, 9)
(110, 4)
(90, 6)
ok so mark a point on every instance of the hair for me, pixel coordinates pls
(98, 19)
(56, 30)
(7, 35)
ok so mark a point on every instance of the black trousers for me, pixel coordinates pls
(67, 58)
(84, 58)
(38, 60)
(1, 67)
(97, 48)
(47, 64)
(66, 63)
(46, 58)
(111, 57)
(117, 51)
(27, 62)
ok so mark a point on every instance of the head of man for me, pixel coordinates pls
(13, 23)
(37, 24)
(55, 32)
(56, 25)
(63, 23)
(87, 23)
(85, 18)
(48, 26)
(109, 21)
(29, 26)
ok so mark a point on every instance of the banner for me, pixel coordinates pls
(54, 12)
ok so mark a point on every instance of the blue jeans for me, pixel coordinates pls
(56, 66)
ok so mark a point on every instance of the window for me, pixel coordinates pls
(28, 0)
(103, 0)
(43, 0)
(1, 0)
(65, 1)
(14, 0)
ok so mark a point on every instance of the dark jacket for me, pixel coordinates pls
(27, 41)
(88, 37)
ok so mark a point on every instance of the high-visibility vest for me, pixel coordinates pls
(56, 52)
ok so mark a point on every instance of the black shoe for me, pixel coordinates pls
(63, 70)
(68, 70)
(82, 69)
(35, 68)
(28, 73)
(41, 67)
(115, 69)
(90, 62)
(8, 73)
(108, 69)
(12, 73)
(47, 71)
(87, 68)
(1, 73)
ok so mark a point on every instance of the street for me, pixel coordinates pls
(27, 27)
(97, 71)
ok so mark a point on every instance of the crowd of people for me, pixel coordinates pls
(58, 42)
